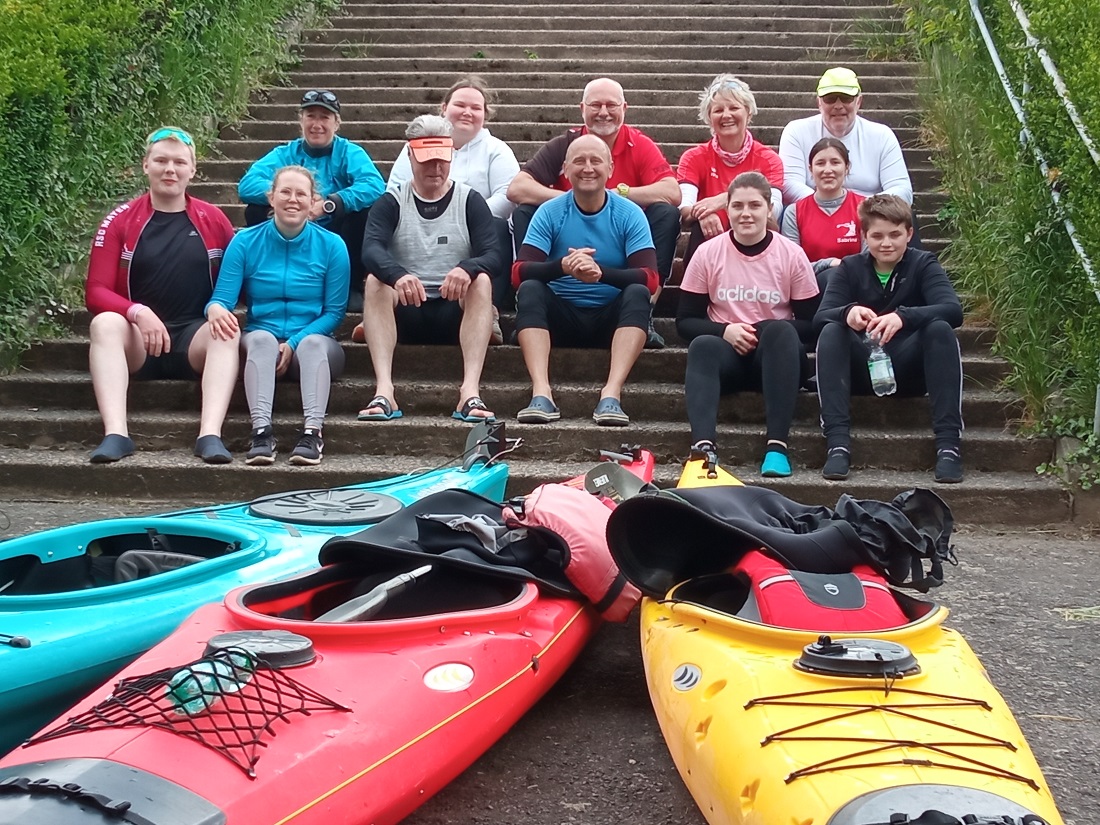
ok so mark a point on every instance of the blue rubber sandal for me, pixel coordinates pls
(468, 406)
(541, 410)
(609, 413)
(381, 402)
(775, 465)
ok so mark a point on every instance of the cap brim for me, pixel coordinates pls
(427, 153)
(844, 90)
(328, 107)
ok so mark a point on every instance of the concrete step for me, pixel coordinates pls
(684, 114)
(612, 7)
(488, 49)
(503, 363)
(635, 37)
(644, 401)
(985, 449)
(489, 14)
(595, 63)
(639, 98)
(983, 498)
(794, 78)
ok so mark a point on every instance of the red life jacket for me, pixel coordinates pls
(857, 601)
(580, 518)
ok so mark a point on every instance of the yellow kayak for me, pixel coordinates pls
(776, 726)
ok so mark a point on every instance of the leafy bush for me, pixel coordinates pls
(1011, 249)
(81, 83)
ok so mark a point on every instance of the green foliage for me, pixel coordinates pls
(81, 83)
(1011, 249)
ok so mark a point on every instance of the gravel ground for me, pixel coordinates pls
(591, 753)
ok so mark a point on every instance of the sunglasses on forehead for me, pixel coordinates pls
(168, 133)
(318, 96)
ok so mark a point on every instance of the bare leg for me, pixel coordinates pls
(380, 326)
(473, 338)
(626, 346)
(218, 361)
(534, 343)
(116, 351)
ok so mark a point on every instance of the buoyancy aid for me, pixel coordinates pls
(580, 519)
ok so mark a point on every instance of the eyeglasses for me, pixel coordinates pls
(169, 133)
(611, 107)
(837, 97)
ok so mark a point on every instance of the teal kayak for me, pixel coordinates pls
(79, 603)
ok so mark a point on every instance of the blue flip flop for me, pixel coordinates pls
(609, 413)
(468, 406)
(541, 410)
(388, 412)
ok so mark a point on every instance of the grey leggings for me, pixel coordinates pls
(318, 357)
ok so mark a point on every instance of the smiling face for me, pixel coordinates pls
(748, 212)
(838, 111)
(291, 197)
(169, 165)
(728, 121)
(466, 112)
(319, 126)
(588, 165)
(603, 108)
(829, 170)
(886, 241)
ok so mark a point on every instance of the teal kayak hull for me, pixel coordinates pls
(56, 646)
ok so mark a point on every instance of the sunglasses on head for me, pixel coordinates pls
(318, 96)
(168, 133)
(835, 97)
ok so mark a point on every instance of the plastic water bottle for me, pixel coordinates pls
(881, 367)
(196, 688)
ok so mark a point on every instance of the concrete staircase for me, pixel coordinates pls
(389, 61)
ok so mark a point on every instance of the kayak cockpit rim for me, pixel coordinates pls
(728, 598)
(100, 560)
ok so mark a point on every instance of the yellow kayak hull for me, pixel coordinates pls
(759, 741)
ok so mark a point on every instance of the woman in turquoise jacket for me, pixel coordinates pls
(295, 278)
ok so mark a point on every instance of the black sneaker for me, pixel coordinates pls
(949, 466)
(836, 464)
(262, 451)
(309, 448)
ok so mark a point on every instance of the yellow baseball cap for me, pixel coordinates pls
(838, 79)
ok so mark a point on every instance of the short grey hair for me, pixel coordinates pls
(726, 85)
(428, 126)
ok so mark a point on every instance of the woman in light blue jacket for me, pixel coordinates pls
(295, 278)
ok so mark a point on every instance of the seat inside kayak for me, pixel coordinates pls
(732, 594)
(107, 560)
(442, 589)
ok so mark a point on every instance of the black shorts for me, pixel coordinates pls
(173, 364)
(436, 321)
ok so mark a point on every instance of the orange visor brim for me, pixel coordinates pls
(431, 148)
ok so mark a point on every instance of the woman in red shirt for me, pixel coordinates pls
(705, 171)
(826, 223)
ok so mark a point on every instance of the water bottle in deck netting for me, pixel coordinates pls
(881, 367)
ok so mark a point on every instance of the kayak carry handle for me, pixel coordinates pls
(372, 602)
(14, 641)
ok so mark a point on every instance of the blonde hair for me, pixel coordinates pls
(729, 86)
(301, 170)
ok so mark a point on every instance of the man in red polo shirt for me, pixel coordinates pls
(641, 174)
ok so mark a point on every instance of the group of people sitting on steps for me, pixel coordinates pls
(813, 246)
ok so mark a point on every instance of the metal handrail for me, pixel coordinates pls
(1026, 137)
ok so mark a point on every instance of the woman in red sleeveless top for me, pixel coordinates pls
(826, 223)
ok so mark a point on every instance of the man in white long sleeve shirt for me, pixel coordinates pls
(877, 161)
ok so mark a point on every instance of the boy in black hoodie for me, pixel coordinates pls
(903, 297)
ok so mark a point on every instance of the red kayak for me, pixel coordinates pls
(350, 694)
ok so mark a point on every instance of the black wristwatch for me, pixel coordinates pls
(329, 206)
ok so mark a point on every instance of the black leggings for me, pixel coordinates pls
(842, 371)
(777, 367)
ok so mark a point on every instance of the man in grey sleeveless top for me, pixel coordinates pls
(428, 250)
